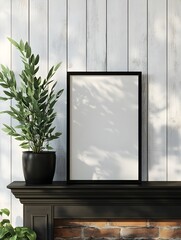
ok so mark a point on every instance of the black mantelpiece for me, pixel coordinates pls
(43, 204)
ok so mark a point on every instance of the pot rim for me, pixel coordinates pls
(42, 152)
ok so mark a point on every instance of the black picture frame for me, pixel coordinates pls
(82, 90)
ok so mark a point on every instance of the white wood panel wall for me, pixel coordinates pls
(174, 96)
(157, 77)
(137, 57)
(5, 141)
(100, 35)
(20, 32)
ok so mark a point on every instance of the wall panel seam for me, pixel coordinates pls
(127, 35)
(29, 21)
(10, 45)
(11, 170)
(106, 35)
(166, 90)
(147, 98)
(86, 34)
(48, 35)
(67, 34)
(66, 69)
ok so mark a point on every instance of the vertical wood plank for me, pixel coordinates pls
(57, 53)
(19, 31)
(137, 61)
(157, 69)
(138, 35)
(96, 35)
(38, 32)
(174, 89)
(5, 140)
(117, 35)
(77, 35)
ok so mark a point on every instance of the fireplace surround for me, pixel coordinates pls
(43, 204)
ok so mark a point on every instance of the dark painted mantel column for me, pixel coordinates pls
(148, 200)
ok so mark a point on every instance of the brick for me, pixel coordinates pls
(128, 223)
(95, 224)
(168, 233)
(67, 232)
(66, 222)
(140, 232)
(80, 223)
(165, 223)
(72, 238)
(105, 238)
(103, 233)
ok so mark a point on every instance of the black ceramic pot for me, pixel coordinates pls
(38, 168)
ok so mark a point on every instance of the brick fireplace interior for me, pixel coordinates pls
(150, 210)
(80, 229)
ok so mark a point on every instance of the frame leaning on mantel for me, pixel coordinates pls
(104, 129)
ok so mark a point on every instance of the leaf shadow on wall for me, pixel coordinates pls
(167, 159)
(105, 128)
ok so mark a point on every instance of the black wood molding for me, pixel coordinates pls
(42, 204)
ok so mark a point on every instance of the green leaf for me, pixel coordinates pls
(42, 99)
(1, 76)
(50, 111)
(31, 235)
(48, 147)
(10, 229)
(53, 86)
(59, 93)
(57, 66)
(8, 94)
(21, 45)
(32, 58)
(36, 59)
(4, 99)
(3, 233)
(6, 129)
(51, 130)
(50, 73)
(28, 50)
(13, 42)
(5, 211)
(20, 126)
(4, 69)
(4, 85)
(25, 145)
(48, 82)
(43, 93)
(21, 138)
(10, 130)
(58, 134)
(15, 237)
(52, 137)
(36, 70)
(9, 113)
(4, 221)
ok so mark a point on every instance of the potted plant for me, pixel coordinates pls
(34, 99)
(8, 232)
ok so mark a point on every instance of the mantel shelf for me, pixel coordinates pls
(150, 200)
(146, 192)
